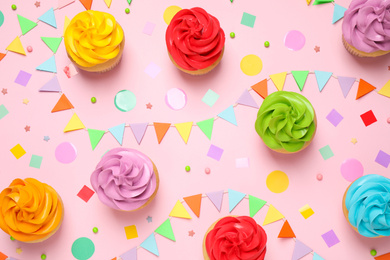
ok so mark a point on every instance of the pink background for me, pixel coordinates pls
(274, 20)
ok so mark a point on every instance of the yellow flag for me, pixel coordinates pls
(108, 3)
(16, 46)
(279, 79)
(74, 124)
(179, 211)
(66, 23)
(184, 130)
(272, 215)
(385, 90)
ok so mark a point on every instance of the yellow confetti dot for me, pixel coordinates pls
(170, 12)
(251, 65)
(277, 181)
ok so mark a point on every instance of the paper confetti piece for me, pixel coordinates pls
(246, 99)
(3, 111)
(322, 78)
(242, 162)
(165, 229)
(300, 250)
(346, 84)
(36, 161)
(150, 244)
(16, 46)
(18, 151)
(95, 136)
(161, 129)
(85, 193)
(255, 204)
(326, 152)
(338, 13)
(286, 231)
(216, 198)
(383, 257)
(368, 118)
(306, 211)
(139, 130)
(330, 238)
(261, 88)
(149, 28)
(130, 255)
(317, 257)
(364, 88)
(277, 181)
(49, 18)
(294, 40)
(152, 70)
(117, 132)
(210, 98)
(351, 169)
(52, 42)
(65, 152)
(70, 70)
(62, 104)
(385, 90)
(215, 152)
(83, 248)
(3, 256)
(23, 78)
(25, 24)
(49, 65)
(383, 158)
(108, 3)
(278, 80)
(272, 215)
(206, 126)
(229, 115)
(169, 13)
(251, 65)
(334, 117)
(194, 202)
(319, 2)
(51, 86)
(248, 19)
(86, 3)
(74, 124)
(300, 77)
(63, 3)
(131, 232)
(184, 130)
(179, 211)
(235, 197)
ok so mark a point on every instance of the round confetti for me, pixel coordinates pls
(12, 238)
(232, 35)
(170, 12)
(373, 252)
(125, 100)
(277, 181)
(176, 99)
(351, 169)
(29, 49)
(188, 168)
(251, 65)
(207, 170)
(294, 40)
(319, 177)
(43, 256)
(1, 18)
(95, 230)
(93, 100)
(266, 44)
(13, 7)
(83, 248)
(127, 10)
(66, 152)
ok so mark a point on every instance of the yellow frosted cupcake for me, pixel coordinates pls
(94, 41)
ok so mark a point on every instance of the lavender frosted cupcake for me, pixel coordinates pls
(125, 179)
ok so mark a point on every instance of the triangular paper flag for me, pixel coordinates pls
(2, 55)
(117, 132)
(49, 18)
(3, 256)
(161, 129)
(279, 79)
(229, 115)
(74, 124)
(184, 130)
(150, 244)
(63, 3)
(16, 46)
(319, 2)
(25, 24)
(300, 77)
(194, 203)
(300, 250)
(261, 88)
(66, 23)
(322, 78)
(52, 42)
(108, 3)
(255, 204)
(165, 229)
(139, 131)
(130, 255)
(364, 88)
(383, 257)
(179, 211)
(129, 1)
(206, 126)
(286, 231)
(216, 198)
(51, 86)
(49, 65)
(346, 84)
(95, 136)
(87, 4)
(317, 257)
(272, 215)
(385, 90)
(234, 198)
(308, 2)
(338, 12)
(62, 104)
(247, 100)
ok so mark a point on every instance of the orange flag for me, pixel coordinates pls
(286, 231)
(261, 88)
(364, 88)
(383, 257)
(2, 55)
(62, 104)
(194, 203)
(87, 4)
(161, 129)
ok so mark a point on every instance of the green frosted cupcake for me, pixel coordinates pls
(286, 122)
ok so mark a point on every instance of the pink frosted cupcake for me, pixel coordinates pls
(125, 179)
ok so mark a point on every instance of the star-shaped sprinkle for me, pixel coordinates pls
(148, 106)
(191, 233)
(46, 138)
(27, 128)
(317, 48)
(37, 4)
(149, 219)
(25, 101)
(354, 140)
(4, 91)
(19, 250)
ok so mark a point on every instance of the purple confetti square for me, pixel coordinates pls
(330, 238)
(152, 70)
(334, 117)
(149, 28)
(383, 159)
(215, 152)
(23, 78)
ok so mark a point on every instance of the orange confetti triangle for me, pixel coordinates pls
(383, 257)
(194, 203)
(87, 4)
(261, 88)
(364, 88)
(3, 256)
(114, 258)
(161, 129)
(286, 231)
(62, 104)
(2, 55)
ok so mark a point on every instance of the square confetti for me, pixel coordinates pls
(242, 162)
(383, 159)
(23, 78)
(18, 151)
(248, 19)
(368, 118)
(85, 193)
(215, 152)
(3, 111)
(152, 70)
(330, 238)
(210, 98)
(70, 70)
(334, 117)
(131, 232)
(326, 152)
(149, 28)
(306, 211)
(36, 161)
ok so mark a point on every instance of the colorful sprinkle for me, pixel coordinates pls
(13, 7)
(93, 100)
(12, 238)
(232, 35)
(207, 170)
(43, 256)
(373, 252)
(95, 230)
(388, 120)
(319, 177)
(127, 10)
(188, 168)
(266, 44)
(29, 49)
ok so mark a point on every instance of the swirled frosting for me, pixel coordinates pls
(366, 25)
(239, 238)
(124, 179)
(92, 38)
(368, 203)
(285, 120)
(194, 39)
(30, 210)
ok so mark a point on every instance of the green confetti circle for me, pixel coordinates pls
(125, 100)
(1, 18)
(83, 248)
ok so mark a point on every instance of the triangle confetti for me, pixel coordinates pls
(95, 136)
(49, 65)
(66, 23)
(364, 88)
(62, 104)
(300, 77)
(216, 198)
(139, 131)
(338, 12)
(255, 204)
(206, 126)
(87, 4)
(161, 129)
(63, 3)
(3, 256)
(346, 84)
(322, 78)
(130, 255)
(272, 215)
(179, 211)
(16, 46)
(235, 197)
(261, 88)
(383, 257)
(194, 203)
(74, 124)
(279, 79)
(51, 86)
(52, 42)
(319, 2)
(117, 132)
(108, 3)
(165, 229)
(25, 24)
(308, 2)
(184, 130)
(385, 90)
(317, 257)
(246, 99)
(286, 231)
(129, 1)
(2, 55)
(49, 18)
(300, 250)
(229, 115)
(150, 244)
